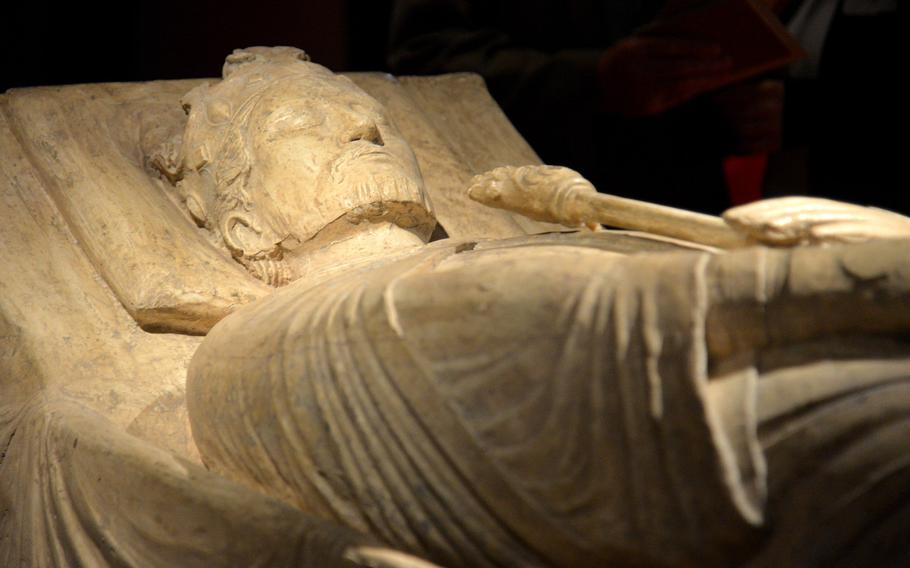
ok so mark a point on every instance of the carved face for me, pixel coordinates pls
(324, 154)
(282, 152)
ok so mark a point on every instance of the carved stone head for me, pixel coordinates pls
(283, 148)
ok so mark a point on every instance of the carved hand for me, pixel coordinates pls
(792, 221)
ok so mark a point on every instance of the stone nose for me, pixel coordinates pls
(367, 131)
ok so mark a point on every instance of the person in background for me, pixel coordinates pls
(590, 88)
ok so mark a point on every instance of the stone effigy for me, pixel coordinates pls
(389, 365)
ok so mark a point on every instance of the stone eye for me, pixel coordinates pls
(293, 122)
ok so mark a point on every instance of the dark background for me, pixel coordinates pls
(45, 44)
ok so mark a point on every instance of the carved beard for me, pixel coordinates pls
(367, 174)
(383, 192)
(273, 269)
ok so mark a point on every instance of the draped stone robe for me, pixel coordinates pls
(547, 400)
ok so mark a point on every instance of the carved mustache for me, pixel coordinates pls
(360, 151)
